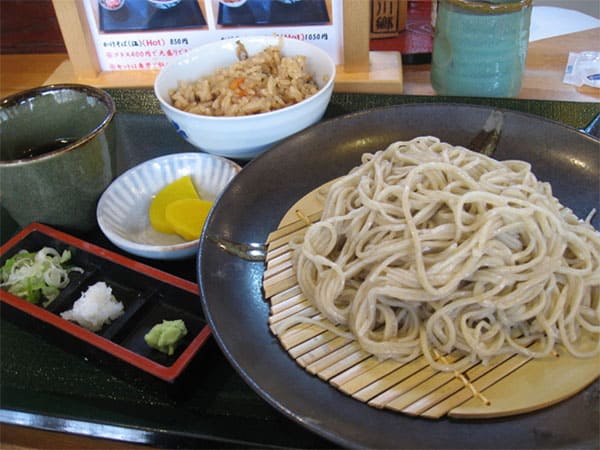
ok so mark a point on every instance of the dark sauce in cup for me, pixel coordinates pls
(41, 149)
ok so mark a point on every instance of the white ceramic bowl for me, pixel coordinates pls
(244, 137)
(232, 3)
(164, 4)
(122, 211)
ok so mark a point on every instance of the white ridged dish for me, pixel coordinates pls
(122, 211)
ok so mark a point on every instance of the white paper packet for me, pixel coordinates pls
(583, 68)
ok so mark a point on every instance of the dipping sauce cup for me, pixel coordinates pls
(479, 48)
(57, 154)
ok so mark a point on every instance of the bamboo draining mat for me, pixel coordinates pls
(508, 385)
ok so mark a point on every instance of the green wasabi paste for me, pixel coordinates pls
(165, 336)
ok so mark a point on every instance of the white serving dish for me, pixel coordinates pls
(244, 137)
(122, 211)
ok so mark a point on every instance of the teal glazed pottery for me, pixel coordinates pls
(57, 154)
(479, 47)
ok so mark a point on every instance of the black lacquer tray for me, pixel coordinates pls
(48, 385)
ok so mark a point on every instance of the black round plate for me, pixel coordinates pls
(257, 199)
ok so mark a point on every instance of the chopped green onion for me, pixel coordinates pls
(37, 276)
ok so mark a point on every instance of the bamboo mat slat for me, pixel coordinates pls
(390, 379)
(335, 362)
(285, 295)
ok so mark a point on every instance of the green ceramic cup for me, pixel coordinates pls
(57, 154)
(479, 47)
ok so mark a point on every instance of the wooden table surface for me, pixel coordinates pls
(546, 62)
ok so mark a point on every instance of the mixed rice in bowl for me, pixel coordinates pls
(263, 82)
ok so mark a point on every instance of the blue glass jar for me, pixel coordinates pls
(479, 47)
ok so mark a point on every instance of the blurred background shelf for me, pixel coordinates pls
(546, 62)
(33, 53)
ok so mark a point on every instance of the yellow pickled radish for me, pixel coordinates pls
(187, 216)
(179, 189)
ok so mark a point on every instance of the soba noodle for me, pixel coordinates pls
(431, 249)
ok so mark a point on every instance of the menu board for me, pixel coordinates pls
(146, 34)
